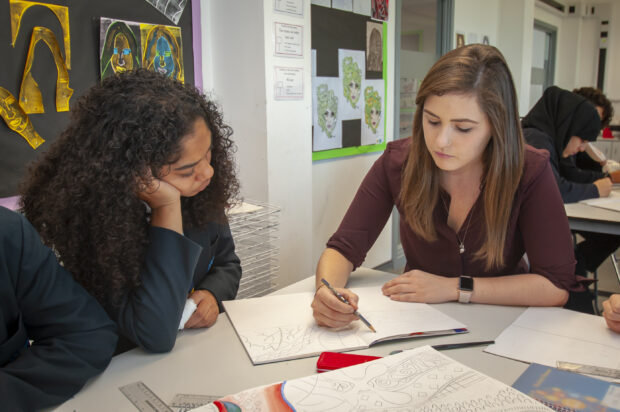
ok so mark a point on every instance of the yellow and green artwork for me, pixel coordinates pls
(162, 51)
(17, 120)
(120, 46)
(30, 98)
(126, 45)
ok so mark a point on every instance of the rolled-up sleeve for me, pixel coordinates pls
(546, 234)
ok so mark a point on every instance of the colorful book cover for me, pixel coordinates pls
(568, 391)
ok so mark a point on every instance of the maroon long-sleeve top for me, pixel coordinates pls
(538, 225)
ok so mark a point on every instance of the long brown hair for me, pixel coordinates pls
(480, 71)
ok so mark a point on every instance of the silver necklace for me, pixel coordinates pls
(461, 241)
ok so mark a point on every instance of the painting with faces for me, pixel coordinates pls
(347, 83)
(119, 49)
(126, 45)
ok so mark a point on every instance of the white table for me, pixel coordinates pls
(592, 219)
(213, 361)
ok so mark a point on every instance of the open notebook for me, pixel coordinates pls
(281, 327)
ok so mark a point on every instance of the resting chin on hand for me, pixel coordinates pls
(329, 311)
(611, 312)
(422, 287)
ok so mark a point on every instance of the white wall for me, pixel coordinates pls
(477, 16)
(274, 137)
(232, 36)
(612, 73)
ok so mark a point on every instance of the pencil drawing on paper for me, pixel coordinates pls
(421, 379)
(284, 341)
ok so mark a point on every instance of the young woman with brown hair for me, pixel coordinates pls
(472, 201)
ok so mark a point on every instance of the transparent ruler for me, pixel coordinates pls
(143, 398)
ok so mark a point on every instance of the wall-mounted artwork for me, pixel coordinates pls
(120, 49)
(53, 51)
(347, 69)
(161, 50)
(169, 8)
(374, 47)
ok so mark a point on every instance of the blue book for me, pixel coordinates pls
(567, 391)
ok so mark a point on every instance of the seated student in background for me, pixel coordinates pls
(605, 111)
(611, 312)
(72, 337)
(561, 122)
(132, 196)
(472, 200)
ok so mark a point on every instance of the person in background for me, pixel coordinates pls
(562, 122)
(606, 112)
(472, 199)
(72, 337)
(133, 197)
(611, 312)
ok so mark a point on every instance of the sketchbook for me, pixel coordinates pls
(420, 379)
(568, 391)
(611, 203)
(281, 327)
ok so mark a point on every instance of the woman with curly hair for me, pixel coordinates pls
(132, 197)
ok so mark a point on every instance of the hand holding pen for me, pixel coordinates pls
(331, 312)
(334, 314)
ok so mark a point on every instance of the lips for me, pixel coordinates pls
(443, 155)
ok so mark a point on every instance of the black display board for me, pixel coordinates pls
(15, 152)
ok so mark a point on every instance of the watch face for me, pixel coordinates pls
(466, 283)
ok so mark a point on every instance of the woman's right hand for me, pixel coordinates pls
(158, 193)
(604, 186)
(329, 311)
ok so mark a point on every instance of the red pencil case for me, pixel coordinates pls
(329, 361)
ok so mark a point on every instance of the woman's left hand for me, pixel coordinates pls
(423, 287)
(206, 311)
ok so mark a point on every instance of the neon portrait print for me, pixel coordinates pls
(372, 109)
(352, 81)
(162, 53)
(120, 50)
(327, 109)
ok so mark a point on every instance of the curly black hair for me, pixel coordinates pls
(82, 195)
(597, 98)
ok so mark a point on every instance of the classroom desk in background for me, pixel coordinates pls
(592, 219)
(213, 361)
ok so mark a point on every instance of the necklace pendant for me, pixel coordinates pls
(461, 248)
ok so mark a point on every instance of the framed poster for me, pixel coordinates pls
(349, 76)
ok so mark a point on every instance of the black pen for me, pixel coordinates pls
(447, 346)
(344, 300)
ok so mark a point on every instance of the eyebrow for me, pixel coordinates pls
(452, 120)
(190, 165)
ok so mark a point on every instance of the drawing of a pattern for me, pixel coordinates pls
(282, 342)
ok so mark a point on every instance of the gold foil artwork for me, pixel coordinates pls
(29, 94)
(19, 7)
(17, 119)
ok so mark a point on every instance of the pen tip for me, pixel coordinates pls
(373, 329)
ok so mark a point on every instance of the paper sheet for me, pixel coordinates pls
(420, 379)
(281, 327)
(548, 335)
(612, 202)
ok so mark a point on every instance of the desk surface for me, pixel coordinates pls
(593, 219)
(213, 361)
